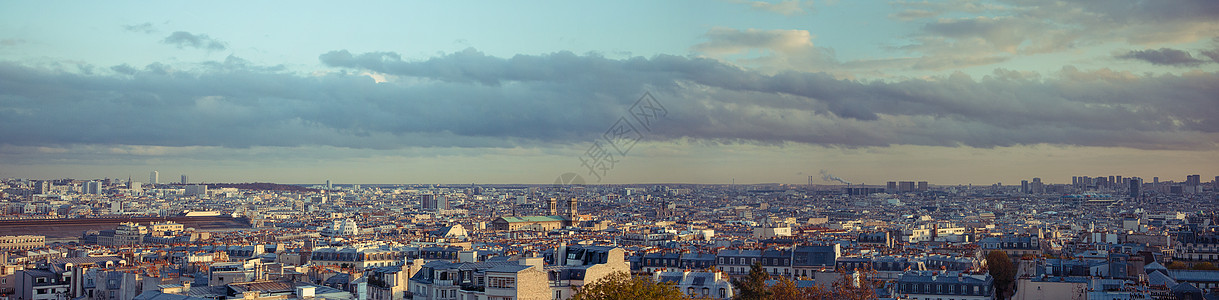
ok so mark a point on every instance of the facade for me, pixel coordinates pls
(359, 258)
(37, 284)
(933, 285)
(1014, 246)
(529, 223)
(807, 260)
(737, 262)
(698, 285)
(22, 242)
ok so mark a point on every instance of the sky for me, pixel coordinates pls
(950, 92)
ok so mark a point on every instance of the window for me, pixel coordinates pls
(558, 294)
(502, 282)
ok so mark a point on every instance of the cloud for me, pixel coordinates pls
(723, 41)
(786, 8)
(469, 99)
(145, 28)
(1163, 57)
(183, 39)
(769, 50)
(981, 32)
(914, 14)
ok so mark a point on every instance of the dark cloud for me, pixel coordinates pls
(1163, 57)
(1212, 54)
(184, 39)
(469, 99)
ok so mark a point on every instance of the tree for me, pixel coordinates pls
(1176, 265)
(753, 287)
(1002, 270)
(856, 285)
(1204, 266)
(786, 289)
(623, 286)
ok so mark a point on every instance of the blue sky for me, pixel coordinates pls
(458, 92)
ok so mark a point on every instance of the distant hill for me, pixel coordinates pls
(262, 186)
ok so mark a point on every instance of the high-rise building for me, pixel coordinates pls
(1216, 184)
(1036, 187)
(922, 186)
(328, 186)
(1193, 184)
(43, 187)
(184, 179)
(1135, 184)
(92, 187)
(905, 186)
(427, 201)
(1024, 186)
(154, 178)
(891, 187)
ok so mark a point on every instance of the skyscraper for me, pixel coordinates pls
(1024, 186)
(184, 179)
(154, 178)
(1135, 184)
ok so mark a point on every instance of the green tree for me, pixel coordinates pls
(623, 286)
(753, 286)
(1004, 273)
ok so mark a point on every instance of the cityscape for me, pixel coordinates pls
(1097, 237)
(609, 150)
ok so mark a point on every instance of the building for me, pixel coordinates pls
(195, 189)
(359, 258)
(807, 260)
(154, 178)
(38, 284)
(541, 223)
(434, 202)
(92, 187)
(922, 186)
(43, 187)
(935, 285)
(22, 242)
(390, 283)
(1134, 190)
(529, 223)
(737, 262)
(501, 280)
(698, 284)
(1015, 246)
(341, 227)
(905, 186)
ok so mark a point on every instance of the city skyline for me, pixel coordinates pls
(751, 92)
